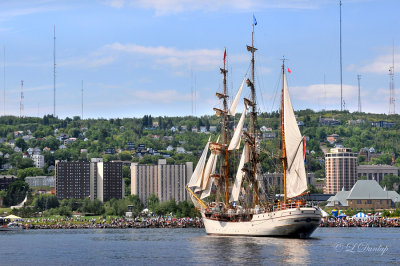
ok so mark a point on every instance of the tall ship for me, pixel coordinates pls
(239, 205)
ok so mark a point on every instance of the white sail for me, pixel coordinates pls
(235, 142)
(240, 174)
(207, 170)
(232, 110)
(296, 180)
(207, 191)
(195, 180)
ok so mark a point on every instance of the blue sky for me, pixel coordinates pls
(139, 57)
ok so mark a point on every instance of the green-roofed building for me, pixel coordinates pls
(365, 194)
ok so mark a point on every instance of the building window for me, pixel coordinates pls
(358, 201)
(369, 201)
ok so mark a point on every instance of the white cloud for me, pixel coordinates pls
(12, 9)
(163, 7)
(115, 3)
(381, 64)
(315, 92)
(199, 59)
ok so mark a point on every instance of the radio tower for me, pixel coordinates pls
(392, 105)
(341, 79)
(21, 104)
(359, 93)
(82, 100)
(54, 73)
(4, 89)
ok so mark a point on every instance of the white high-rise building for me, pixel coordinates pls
(38, 160)
(166, 181)
(340, 170)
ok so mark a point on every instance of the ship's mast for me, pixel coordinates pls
(225, 129)
(253, 117)
(284, 158)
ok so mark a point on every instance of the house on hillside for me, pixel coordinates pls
(328, 121)
(180, 150)
(382, 124)
(332, 138)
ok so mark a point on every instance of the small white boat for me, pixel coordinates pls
(7, 225)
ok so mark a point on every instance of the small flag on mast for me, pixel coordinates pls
(224, 55)
(254, 20)
(288, 70)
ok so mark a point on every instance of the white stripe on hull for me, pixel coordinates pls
(287, 223)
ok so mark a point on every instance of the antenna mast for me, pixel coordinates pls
(82, 100)
(324, 92)
(341, 79)
(392, 104)
(191, 88)
(54, 74)
(359, 93)
(4, 88)
(21, 104)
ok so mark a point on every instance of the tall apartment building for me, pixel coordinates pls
(340, 170)
(96, 180)
(72, 180)
(376, 172)
(110, 183)
(164, 180)
(38, 160)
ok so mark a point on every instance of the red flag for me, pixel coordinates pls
(288, 70)
(224, 55)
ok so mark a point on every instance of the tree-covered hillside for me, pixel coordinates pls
(147, 139)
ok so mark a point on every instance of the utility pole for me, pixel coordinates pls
(4, 88)
(82, 100)
(54, 74)
(359, 93)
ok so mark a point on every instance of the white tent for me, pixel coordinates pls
(12, 217)
(360, 215)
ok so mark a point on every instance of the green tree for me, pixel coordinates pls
(25, 163)
(125, 156)
(16, 193)
(392, 182)
(30, 171)
(95, 206)
(152, 202)
(46, 202)
(20, 142)
(134, 200)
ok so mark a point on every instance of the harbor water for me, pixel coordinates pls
(158, 246)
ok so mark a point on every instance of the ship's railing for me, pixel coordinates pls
(293, 205)
(259, 209)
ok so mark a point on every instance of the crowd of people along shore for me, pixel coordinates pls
(173, 222)
(102, 222)
(369, 222)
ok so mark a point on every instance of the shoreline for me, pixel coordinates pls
(161, 222)
(370, 222)
(117, 223)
